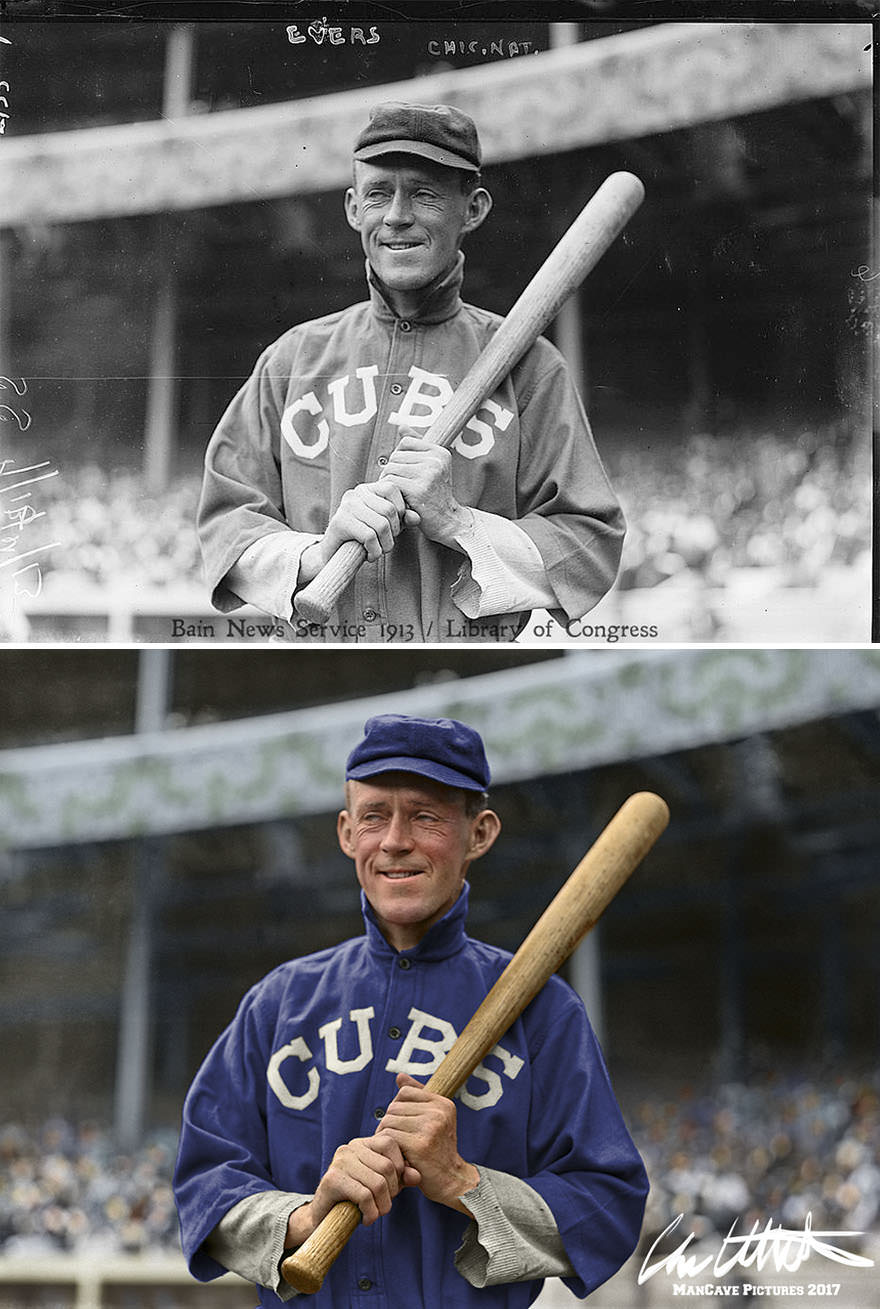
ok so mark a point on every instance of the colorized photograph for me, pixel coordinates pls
(480, 978)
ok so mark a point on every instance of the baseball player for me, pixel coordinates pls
(315, 1092)
(325, 441)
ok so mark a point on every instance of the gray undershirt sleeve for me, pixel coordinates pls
(513, 1238)
(249, 1239)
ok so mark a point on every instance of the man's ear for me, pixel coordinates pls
(352, 212)
(484, 832)
(478, 206)
(344, 833)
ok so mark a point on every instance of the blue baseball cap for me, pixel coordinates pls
(440, 748)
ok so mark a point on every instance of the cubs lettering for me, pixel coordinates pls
(353, 403)
(427, 1035)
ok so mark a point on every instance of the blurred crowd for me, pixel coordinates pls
(703, 506)
(713, 503)
(780, 1148)
(111, 530)
(66, 1188)
(776, 1148)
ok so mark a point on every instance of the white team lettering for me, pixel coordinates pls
(511, 1064)
(305, 449)
(424, 401)
(427, 1036)
(366, 376)
(476, 449)
(421, 407)
(415, 1039)
(329, 1033)
(296, 1049)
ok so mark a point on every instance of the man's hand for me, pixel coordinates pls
(423, 473)
(423, 1125)
(372, 513)
(369, 1171)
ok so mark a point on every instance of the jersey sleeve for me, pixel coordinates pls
(241, 499)
(503, 571)
(223, 1153)
(584, 1162)
(566, 501)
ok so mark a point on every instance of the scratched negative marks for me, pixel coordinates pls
(23, 546)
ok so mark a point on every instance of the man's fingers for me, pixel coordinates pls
(404, 1079)
(371, 514)
(385, 1145)
(410, 440)
(386, 490)
(369, 1177)
(407, 1174)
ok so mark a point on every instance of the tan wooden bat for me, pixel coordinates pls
(573, 911)
(579, 250)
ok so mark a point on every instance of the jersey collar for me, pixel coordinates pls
(446, 937)
(442, 298)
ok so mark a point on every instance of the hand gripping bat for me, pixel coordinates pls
(579, 250)
(569, 916)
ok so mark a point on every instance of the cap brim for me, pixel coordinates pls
(423, 767)
(435, 153)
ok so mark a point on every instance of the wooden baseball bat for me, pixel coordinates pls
(578, 251)
(573, 911)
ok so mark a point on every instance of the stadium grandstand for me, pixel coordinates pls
(160, 227)
(167, 836)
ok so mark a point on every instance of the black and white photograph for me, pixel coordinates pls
(223, 1008)
(377, 330)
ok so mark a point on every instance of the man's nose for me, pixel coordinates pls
(399, 212)
(397, 834)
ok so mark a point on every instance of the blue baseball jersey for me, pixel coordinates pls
(310, 1061)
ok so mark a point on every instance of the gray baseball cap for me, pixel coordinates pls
(440, 133)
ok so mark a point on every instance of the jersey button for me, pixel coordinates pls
(404, 963)
(394, 1033)
(379, 1112)
(396, 388)
(404, 325)
(382, 460)
(370, 615)
(364, 1284)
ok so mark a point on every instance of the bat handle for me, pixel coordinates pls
(307, 1267)
(317, 601)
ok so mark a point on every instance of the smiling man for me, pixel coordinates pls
(325, 442)
(315, 1093)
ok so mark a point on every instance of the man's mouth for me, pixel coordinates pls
(399, 874)
(401, 245)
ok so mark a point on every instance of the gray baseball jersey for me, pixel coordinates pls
(321, 413)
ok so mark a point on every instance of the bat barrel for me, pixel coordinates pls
(573, 911)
